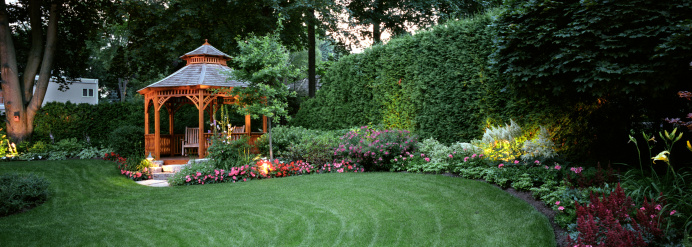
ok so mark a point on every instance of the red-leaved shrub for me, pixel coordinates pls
(606, 221)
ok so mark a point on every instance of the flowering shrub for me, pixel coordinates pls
(375, 149)
(205, 173)
(580, 178)
(135, 169)
(606, 221)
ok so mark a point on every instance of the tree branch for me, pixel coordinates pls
(47, 63)
(9, 61)
(34, 57)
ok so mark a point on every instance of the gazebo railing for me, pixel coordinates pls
(171, 145)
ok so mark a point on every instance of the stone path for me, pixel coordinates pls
(160, 174)
(154, 183)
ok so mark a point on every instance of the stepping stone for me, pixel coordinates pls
(154, 183)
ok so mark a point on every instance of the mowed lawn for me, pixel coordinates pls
(93, 205)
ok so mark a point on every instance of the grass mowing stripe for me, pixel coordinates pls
(94, 205)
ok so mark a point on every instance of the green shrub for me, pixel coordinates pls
(86, 122)
(229, 153)
(191, 170)
(298, 143)
(20, 192)
(93, 152)
(316, 148)
(128, 140)
(65, 148)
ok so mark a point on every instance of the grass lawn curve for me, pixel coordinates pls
(91, 204)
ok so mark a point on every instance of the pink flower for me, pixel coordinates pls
(560, 208)
(642, 209)
(516, 162)
(427, 159)
(473, 156)
(672, 212)
(557, 203)
(199, 174)
(558, 167)
(500, 165)
(450, 156)
(422, 155)
(658, 207)
(537, 162)
(546, 167)
(411, 156)
(466, 159)
(395, 160)
(244, 179)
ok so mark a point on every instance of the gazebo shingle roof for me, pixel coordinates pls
(199, 72)
(206, 49)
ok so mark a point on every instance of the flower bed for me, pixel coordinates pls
(136, 171)
(203, 173)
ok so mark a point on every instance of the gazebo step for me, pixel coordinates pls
(162, 175)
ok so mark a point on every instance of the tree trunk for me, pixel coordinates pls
(271, 148)
(21, 101)
(376, 32)
(122, 88)
(312, 84)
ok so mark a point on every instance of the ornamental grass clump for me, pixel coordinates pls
(375, 149)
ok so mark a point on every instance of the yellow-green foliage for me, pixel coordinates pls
(509, 142)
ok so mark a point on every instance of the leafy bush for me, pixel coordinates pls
(607, 221)
(298, 143)
(314, 149)
(93, 152)
(90, 123)
(21, 192)
(65, 148)
(375, 149)
(128, 140)
(540, 147)
(509, 142)
(229, 153)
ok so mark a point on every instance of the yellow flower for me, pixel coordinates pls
(689, 146)
(661, 156)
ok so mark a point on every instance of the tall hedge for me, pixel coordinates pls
(430, 82)
(82, 121)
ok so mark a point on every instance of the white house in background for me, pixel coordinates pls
(82, 90)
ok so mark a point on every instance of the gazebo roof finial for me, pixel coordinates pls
(206, 42)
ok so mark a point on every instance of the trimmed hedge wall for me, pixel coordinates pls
(439, 83)
(68, 120)
(432, 82)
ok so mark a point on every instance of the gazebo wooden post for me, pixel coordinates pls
(202, 141)
(264, 124)
(248, 128)
(171, 112)
(146, 115)
(157, 128)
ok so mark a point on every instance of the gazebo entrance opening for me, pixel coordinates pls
(206, 69)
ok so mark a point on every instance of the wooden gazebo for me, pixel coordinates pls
(206, 69)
